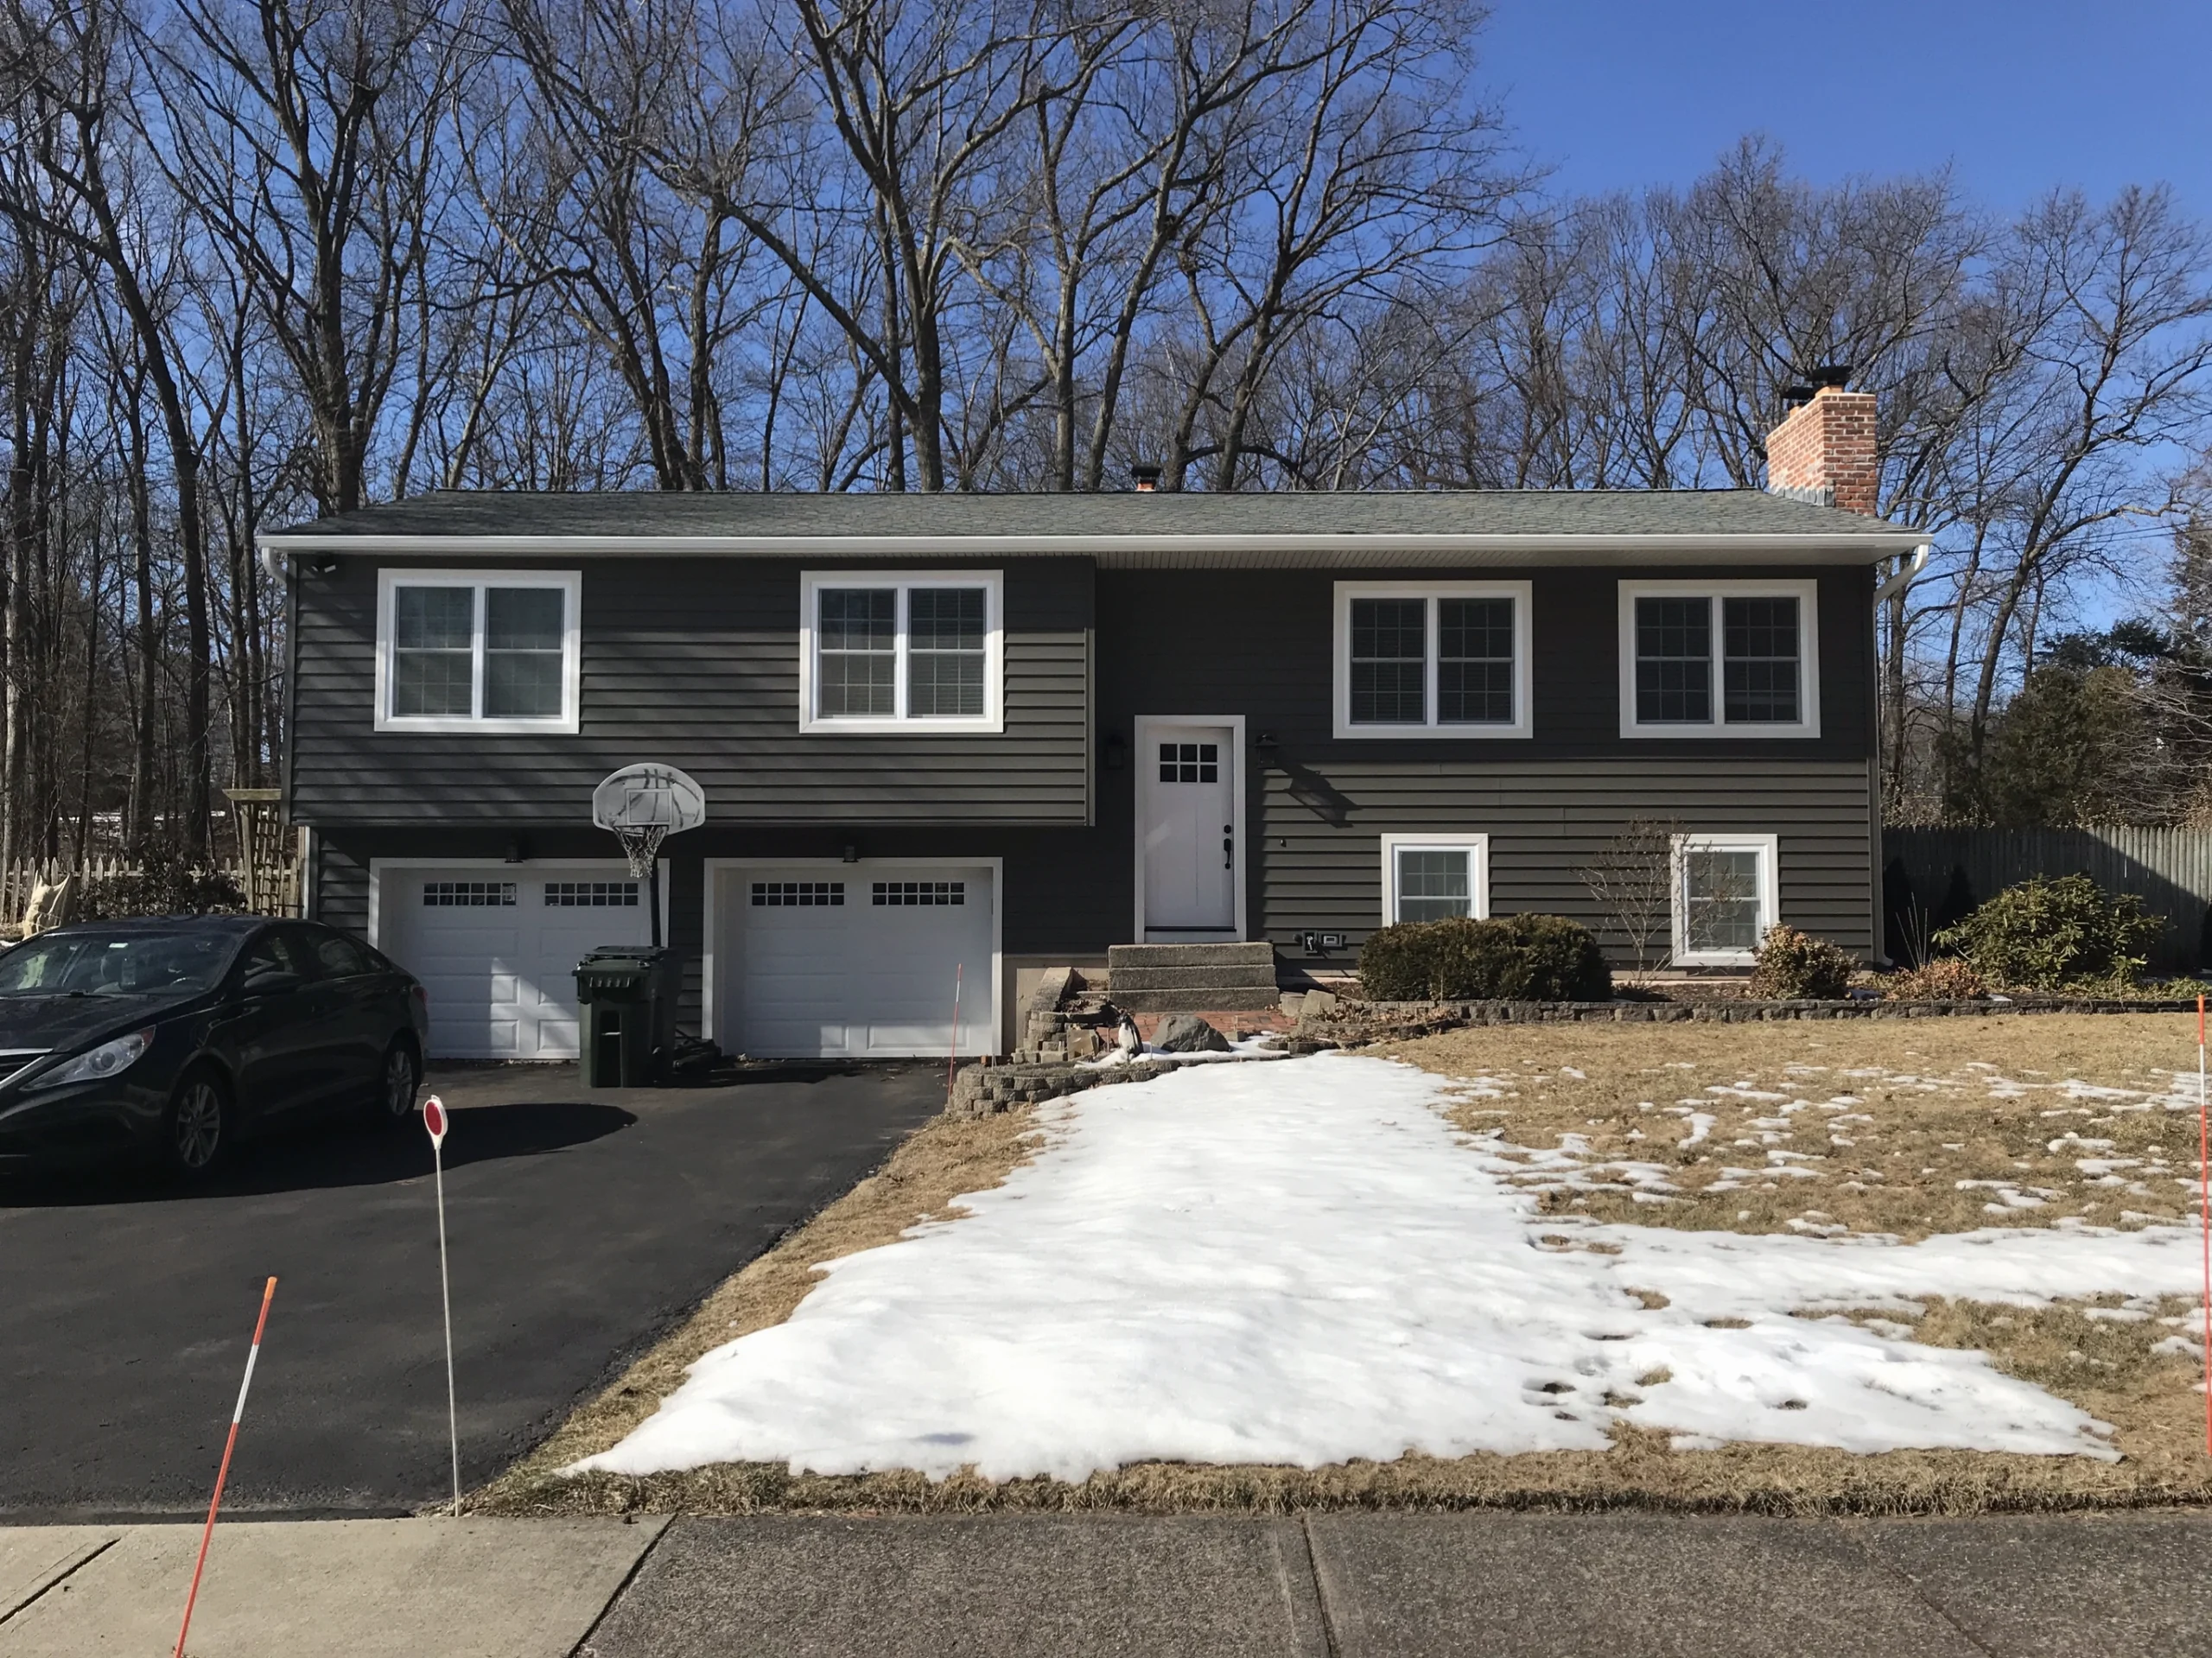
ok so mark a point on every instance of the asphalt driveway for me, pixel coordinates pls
(580, 1227)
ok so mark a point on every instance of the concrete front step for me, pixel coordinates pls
(1259, 953)
(1256, 976)
(1215, 999)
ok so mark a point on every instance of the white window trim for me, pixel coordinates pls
(1475, 846)
(993, 718)
(1806, 593)
(570, 583)
(1341, 700)
(1769, 848)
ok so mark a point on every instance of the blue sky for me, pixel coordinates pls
(2017, 94)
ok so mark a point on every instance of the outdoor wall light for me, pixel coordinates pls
(1263, 745)
(852, 855)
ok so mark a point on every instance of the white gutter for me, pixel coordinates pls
(1905, 577)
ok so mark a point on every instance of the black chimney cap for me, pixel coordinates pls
(1794, 397)
(1145, 475)
(1831, 376)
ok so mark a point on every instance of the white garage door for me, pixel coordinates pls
(497, 950)
(856, 960)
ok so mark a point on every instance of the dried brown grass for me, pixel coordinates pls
(1877, 1125)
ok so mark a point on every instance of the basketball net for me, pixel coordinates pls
(640, 842)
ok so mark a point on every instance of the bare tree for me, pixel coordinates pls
(1630, 883)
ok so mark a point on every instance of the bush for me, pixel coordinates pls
(1946, 978)
(2045, 935)
(1506, 958)
(1793, 965)
(166, 884)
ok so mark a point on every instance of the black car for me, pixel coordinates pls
(173, 1037)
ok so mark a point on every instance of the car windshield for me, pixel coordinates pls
(116, 963)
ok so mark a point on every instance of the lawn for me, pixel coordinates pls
(1528, 1265)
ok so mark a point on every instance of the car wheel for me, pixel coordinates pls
(196, 1128)
(395, 1085)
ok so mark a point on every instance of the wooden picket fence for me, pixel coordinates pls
(271, 886)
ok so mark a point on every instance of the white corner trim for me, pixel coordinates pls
(710, 923)
(1769, 846)
(1146, 724)
(992, 719)
(1477, 846)
(1808, 595)
(570, 582)
(1340, 675)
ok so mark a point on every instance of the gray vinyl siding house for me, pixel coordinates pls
(1150, 661)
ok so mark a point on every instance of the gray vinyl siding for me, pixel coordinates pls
(695, 662)
(1206, 642)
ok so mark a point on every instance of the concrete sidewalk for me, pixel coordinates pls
(1329, 1585)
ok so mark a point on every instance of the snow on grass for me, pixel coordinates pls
(1303, 1263)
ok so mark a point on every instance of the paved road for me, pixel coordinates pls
(1091, 1586)
(580, 1229)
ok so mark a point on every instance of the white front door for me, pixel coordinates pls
(1187, 814)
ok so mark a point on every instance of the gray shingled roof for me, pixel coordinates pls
(479, 516)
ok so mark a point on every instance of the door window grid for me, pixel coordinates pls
(919, 892)
(906, 650)
(798, 894)
(468, 894)
(1190, 762)
(1761, 650)
(591, 894)
(478, 651)
(1434, 883)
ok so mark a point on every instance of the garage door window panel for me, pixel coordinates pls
(460, 653)
(901, 653)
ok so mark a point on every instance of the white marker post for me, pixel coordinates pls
(952, 1059)
(435, 1120)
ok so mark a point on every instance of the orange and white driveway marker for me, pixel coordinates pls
(435, 1122)
(222, 1473)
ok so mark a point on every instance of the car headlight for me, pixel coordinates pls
(96, 1064)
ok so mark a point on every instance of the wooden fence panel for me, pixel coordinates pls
(268, 889)
(2172, 868)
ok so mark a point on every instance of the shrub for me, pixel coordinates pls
(1507, 958)
(1792, 965)
(1945, 978)
(166, 884)
(2043, 935)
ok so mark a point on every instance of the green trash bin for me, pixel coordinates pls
(628, 996)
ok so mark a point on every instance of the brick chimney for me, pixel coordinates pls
(1824, 449)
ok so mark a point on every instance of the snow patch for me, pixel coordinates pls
(1304, 1262)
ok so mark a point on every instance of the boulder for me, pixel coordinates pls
(1187, 1033)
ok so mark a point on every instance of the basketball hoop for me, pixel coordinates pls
(642, 805)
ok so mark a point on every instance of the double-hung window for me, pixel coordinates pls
(1727, 894)
(1720, 658)
(1434, 659)
(1434, 877)
(884, 651)
(477, 650)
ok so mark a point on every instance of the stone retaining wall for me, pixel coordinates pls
(1446, 1015)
